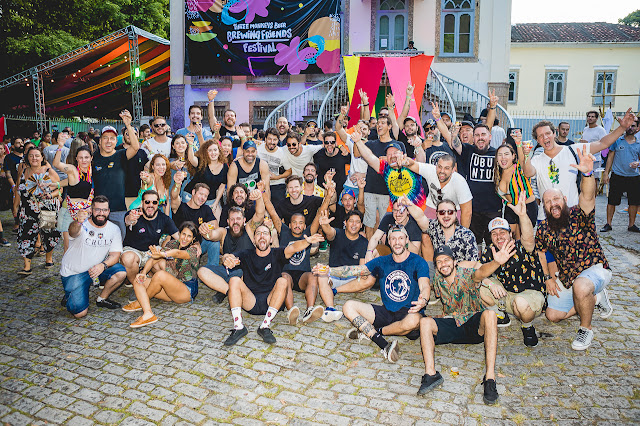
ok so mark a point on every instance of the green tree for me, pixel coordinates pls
(632, 19)
(35, 31)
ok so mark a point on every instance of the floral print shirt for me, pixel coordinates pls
(184, 269)
(576, 247)
(461, 299)
(463, 242)
(521, 272)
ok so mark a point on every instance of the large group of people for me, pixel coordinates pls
(447, 216)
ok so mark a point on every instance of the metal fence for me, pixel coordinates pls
(25, 125)
(577, 121)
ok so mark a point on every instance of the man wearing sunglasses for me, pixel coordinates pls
(332, 158)
(310, 135)
(299, 155)
(399, 216)
(160, 143)
(145, 227)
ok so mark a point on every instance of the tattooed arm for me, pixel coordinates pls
(349, 271)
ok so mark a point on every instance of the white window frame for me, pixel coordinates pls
(548, 74)
(597, 99)
(457, 13)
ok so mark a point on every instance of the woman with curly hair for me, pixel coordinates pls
(174, 277)
(157, 178)
(182, 160)
(212, 170)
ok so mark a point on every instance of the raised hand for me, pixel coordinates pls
(585, 158)
(435, 110)
(520, 208)
(198, 127)
(178, 178)
(627, 120)
(517, 136)
(255, 194)
(362, 182)
(364, 98)
(240, 132)
(410, 89)
(211, 94)
(315, 238)
(190, 137)
(328, 176)
(493, 99)
(391, 100)
(324, 218)
(505, 253)
(126, 117)
(344, 110)
(216, 127)
(356, 136)
(259, 186)
(81, 216)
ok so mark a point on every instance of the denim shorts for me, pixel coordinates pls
(76, 287)
(192, 285)
(597, 274)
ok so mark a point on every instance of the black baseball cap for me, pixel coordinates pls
(443, 251)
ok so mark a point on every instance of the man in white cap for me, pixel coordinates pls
(109, 169)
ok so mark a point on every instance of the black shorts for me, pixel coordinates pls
(467, 333)
(480, 225)
(384, 317)
(262, 306)
(621, 184)
(532, 212)
(295, 277)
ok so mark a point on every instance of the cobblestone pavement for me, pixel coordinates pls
(55, 369)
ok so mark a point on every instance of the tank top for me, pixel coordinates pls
(232, 244)
(250, 178)
(83, 188)
(213, 181)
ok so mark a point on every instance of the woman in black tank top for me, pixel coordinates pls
(212, 170)
(79, 186)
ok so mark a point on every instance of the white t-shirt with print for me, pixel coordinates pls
(456, 190)
(358, 165)
(274, 160)
(156, 147)
(91, 247)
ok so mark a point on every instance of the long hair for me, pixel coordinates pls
(73, 151)
(203, 155)
(166, 178)
(174, 154)
(497, 170)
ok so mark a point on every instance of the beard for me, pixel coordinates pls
(557, 225)
(100, 220)
(309, 179)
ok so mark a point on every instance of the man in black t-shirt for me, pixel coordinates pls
(144, 229)
(10, 166)
(331, 157)
(238, 196)
(297, 202)
(109, 169)
(399, 216)
(262, 288)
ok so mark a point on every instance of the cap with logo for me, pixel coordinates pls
(499, 223)
(443, 251)
(111, 129)
(249, 144)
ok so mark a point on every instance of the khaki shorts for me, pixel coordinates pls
(143, 256)
(374, 203)
(534, 298)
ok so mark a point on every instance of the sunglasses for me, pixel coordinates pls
(292, 145)
(154, 202)
(311, 125)
(160, 125)
(329, 142)
(446, 212)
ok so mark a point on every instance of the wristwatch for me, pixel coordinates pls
(547, 277)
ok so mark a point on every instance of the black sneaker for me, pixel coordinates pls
(235, 336)
(4, 242)
(505, 321)
(109, 304)
(606, 228)
(633, 228)
(218, 297)
(63, 302)
(267, 335)
(530, 336)
(490, 396)
(429, 383)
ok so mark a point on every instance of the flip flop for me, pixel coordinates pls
(25, 272)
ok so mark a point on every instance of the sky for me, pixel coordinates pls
(537, 11)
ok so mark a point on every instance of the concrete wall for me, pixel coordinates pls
(581, 62)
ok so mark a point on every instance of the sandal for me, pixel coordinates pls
(25, 272)
(48, 265)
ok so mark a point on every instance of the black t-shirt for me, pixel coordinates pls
(375, 182)
(260, 273)
(109, 177)
(337, 162)
(412, 228)
(235, 140)
(345, 252)
(213, 181)
(249, 211)
(314, 142)
(340, 216)
(308, 207)
(133, 168)
(197, 216)
(300, 261)
(477, 168)
(147, 232)
(411, 150)
(11, 162)
(373, 134)
(433, 153)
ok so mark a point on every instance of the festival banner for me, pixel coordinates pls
(262, 37)
(369, 75)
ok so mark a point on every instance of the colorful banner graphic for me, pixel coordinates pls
(369, 76)
(262, 37)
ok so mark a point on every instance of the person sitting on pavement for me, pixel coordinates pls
(174, 278)
(517, 286)
(570, 235)
(298, 270)
(349, 200)
(94, 249)
(236, 236)
(146, 227)
(262, 288)
(399, 216)
(347, 248)
(404, 289)
(237, 196)
(465, 321)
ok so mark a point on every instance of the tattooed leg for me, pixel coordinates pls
(366, 328)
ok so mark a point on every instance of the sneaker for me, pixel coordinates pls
(218, 297)
(235, 336)
(355, 334)
(141, 323)
(4, 242)
(434, 300)
(503, 319)
(429, 383)
(63, 302)
(583, 339)
(323, 246)
(606, 228)
(132, 297)
(391, 352)
(312, 313)
(604, 307)
(127, 284)
(293, 315)
(267, 335)
(530, 336)
(490, 396)
(632, 228)
(109, 304)
(331, 314)
(132, 307)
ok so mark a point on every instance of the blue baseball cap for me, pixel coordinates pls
(395, 145)
(249, 144)
(349, 192)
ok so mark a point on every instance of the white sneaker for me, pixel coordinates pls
(331, 315)
(391, 352)
(604, 306)
(293, 315)
(583, 339)
(355, 334)
(312, 313)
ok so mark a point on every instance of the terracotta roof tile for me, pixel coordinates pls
(574, 32)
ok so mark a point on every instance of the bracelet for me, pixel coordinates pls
(588, 174)
(492, 107)
(105, 265)
(438, 119)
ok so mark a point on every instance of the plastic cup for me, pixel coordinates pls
(454, 371)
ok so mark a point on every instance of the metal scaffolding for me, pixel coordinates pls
(136, 88)
(38, 100)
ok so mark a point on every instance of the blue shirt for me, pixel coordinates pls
(626, 153)
(206, 135)
(399, 281)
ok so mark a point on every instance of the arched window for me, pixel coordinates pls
(392, 25)
(457, 27)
